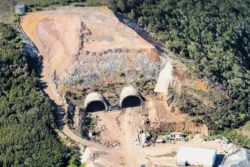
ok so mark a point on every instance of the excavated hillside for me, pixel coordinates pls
(89, 50)
(86, 46)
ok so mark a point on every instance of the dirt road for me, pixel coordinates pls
(122, 127)
(129, 128)
(53, 94)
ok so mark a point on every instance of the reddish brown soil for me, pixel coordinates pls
(201, 85)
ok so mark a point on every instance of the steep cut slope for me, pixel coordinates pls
(76, 41)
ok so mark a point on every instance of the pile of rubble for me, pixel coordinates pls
(96, 69)
(84, 36)
(111, 144)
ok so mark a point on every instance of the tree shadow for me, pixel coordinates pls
(36, 64)
(219, 159)
(140, 31)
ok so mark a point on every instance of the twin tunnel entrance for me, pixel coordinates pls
(131, 101)
(129, 97)
(95, 106)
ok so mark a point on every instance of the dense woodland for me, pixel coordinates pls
(27, 136)
(213, 33)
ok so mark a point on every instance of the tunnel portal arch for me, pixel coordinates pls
(130, 97)
(95, 102)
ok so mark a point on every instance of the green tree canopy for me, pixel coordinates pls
(215, 34)
(27, 136)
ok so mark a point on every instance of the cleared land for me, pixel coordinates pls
(90, 45)
(57, 35)
(122, 126)
(57, 42)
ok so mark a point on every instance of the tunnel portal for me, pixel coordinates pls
(95, 106)
(95, 102)
(130, 97)
(131, 101)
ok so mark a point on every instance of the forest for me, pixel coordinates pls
(27, 136)
(215, 35)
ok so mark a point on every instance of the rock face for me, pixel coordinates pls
(238, 158)
(101, 69)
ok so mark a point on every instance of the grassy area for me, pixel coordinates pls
(238, 138)
(236, 135)
(88, 4)
(247, 126)
(5, 11)
(83, 165)
(64, 140)
(140, 76)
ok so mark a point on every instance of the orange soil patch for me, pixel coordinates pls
(160, 113)
(58, 41)
(201, 86)
(152, 55)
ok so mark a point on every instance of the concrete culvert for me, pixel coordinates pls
(130, 97)
(95, 102)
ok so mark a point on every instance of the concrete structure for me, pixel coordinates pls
(95, 102)
(237, 158)
(196, 156)
(159, 141)
(130, 97)
(225, 140)
(90, 134)
(165, 79)
(20, 9)
(177, 136)
(145, 137)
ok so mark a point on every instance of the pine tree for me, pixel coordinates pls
(121, 4)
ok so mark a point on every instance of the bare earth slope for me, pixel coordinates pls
(55, 35)
(58, 36)
(72, 39)
(90, 46)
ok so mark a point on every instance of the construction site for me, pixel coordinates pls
(112, 89)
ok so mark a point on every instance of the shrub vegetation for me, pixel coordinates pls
(215, 34)
(26, 114)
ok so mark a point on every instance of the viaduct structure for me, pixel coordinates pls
(129, 97)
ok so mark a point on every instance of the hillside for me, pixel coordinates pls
(26, 114)
(216, 36)
(93, 47)
(187, 75)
